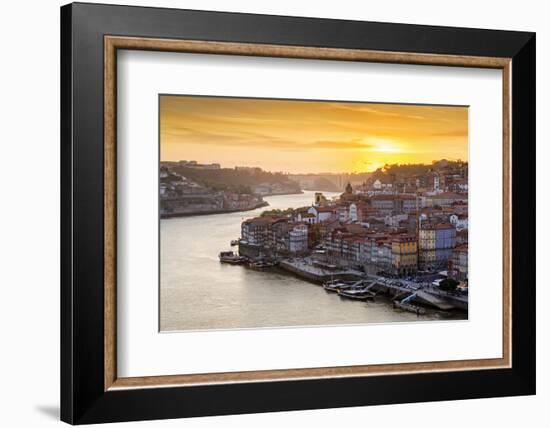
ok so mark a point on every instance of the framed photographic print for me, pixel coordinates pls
(265, 213)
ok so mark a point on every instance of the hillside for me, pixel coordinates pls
(411, 170)
(240, 180)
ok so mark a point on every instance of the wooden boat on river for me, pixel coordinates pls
(357, 293)
(231, 258)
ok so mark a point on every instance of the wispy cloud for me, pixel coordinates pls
(354, 144)
(308, 136)
(366, 108)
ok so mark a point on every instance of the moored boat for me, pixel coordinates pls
(418, 310)
(231, 258)
(336, 285)
(357, 293)
(261, 264)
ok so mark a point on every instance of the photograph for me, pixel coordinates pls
(295, 213)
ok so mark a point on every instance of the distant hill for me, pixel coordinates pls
(240, 180)
(324, 184)
(411, 170)
(329, 182)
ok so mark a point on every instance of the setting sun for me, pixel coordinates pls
(383, 146)
(308, 136)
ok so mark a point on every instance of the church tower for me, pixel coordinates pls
(349, 189)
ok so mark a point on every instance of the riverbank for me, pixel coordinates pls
(220, 211)
(314, 273)
(428, 296)
(301, 192)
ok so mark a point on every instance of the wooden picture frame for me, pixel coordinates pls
(91, 390)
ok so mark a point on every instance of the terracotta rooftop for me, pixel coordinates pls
(449, 195)
(265, 220)
(324, 209)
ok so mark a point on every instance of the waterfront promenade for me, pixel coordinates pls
(423, 292)
(305, 269)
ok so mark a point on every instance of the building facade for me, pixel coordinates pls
(458, 267)
(321, 213)
(435, 245)
(256, 231)
(404, 255)
(298, 239)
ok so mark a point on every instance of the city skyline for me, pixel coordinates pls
(221, 166)
(301, 137)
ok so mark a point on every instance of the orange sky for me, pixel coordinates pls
(304, 137)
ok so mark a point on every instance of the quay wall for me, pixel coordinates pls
(441, 300)
(389, 291)
(206, 210)
(311, 276)
(314, 274)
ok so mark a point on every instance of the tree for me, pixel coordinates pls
(448, 284)
(277, 212)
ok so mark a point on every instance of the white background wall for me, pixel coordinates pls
(29, 214)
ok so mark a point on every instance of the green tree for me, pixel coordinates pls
(448, 284)
(277, 212)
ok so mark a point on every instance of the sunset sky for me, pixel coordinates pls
(309, 137)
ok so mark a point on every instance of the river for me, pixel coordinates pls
(198, 292)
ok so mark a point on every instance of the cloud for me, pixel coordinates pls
(353, 144)
(380, 110)
(457, 133)
(189, 135)
(314, 135)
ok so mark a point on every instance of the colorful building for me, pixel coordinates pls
(321, 213)
(459, 221)
(458, 266)
(404, 255)
(298, 239)
(444, 199)
(435, 245)
(257, 231)
(358, 211)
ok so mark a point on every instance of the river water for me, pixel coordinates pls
(198, 292)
